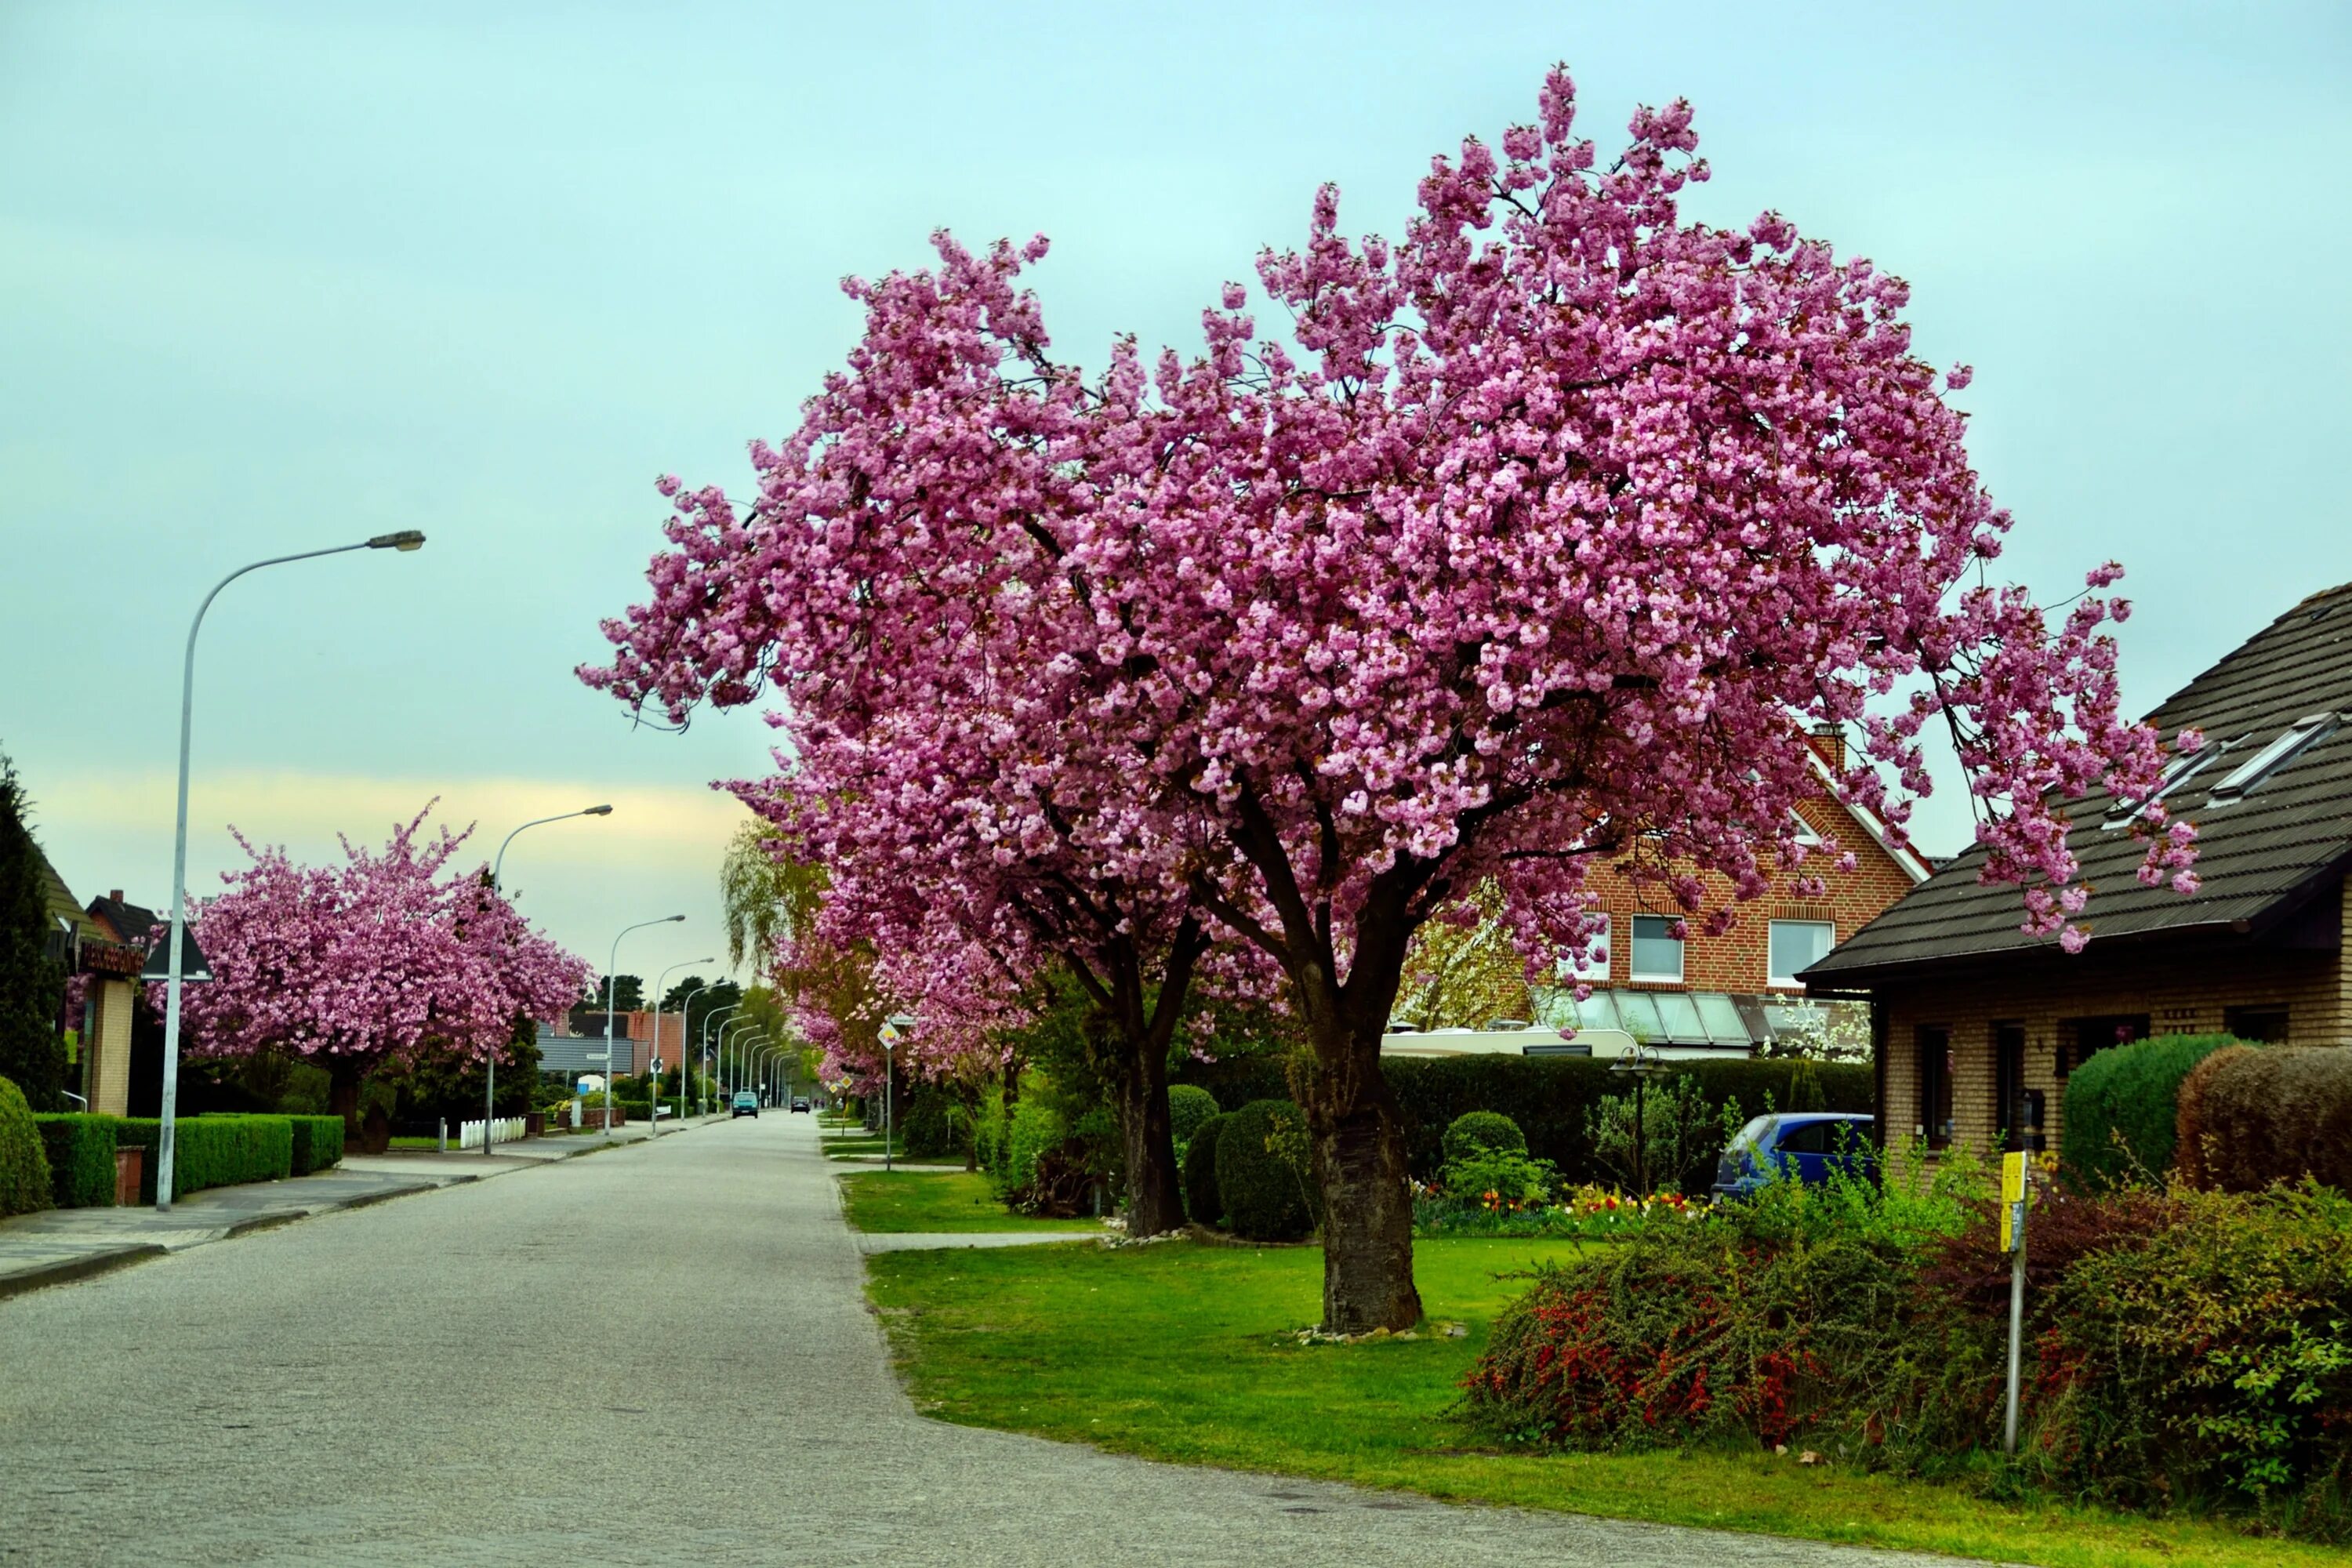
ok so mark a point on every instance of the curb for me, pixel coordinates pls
(18, 1281)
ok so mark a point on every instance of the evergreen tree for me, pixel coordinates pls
(31, 981)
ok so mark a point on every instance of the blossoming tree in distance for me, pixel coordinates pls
(1544, 536)
(355, 966)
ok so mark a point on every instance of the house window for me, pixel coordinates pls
(1658, 951)
(1595, 965)
(2264, 1026)
(1934, 1044)
(1798, 945)
(2297, 736)
(2079, 1039)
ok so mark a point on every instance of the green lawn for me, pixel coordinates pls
(1179, 1352)
(905, 1201)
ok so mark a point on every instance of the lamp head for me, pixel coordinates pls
(407, 539)
(598, 811)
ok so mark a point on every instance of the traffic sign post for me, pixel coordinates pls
(2013, 1241)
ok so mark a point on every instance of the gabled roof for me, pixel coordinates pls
(126, 922)
(2261, 857)
(56, 899)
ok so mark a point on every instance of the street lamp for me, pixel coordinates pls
(497, 865)
(707, 1019)
(610, 979)
(665, 975)
(893, 1027)
(166, 1138)
(726, 1079)
(1643, 1063)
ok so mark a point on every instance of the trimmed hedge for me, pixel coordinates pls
(1263, 1196)
(1548, 1096)
(2249, 1118)
(1188, 1107)
(1201, 1205)
(212, 1151)
(317, 1142)
(24, 1167)
(2123, 1109)
(81, 1149)
(1477, 1131)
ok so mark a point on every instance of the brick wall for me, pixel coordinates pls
(1739, 960)
(2183, 990)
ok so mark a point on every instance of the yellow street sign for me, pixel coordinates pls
(2012, 1199)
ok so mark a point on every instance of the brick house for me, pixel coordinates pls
(1740, 990)
(1978, 1025)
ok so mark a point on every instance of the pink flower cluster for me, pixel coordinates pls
(371, 961)
(1546, 532)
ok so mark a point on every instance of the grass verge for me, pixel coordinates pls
(1181, 1352)
(904, 1202)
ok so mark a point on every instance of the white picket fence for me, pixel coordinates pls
(509, 1129)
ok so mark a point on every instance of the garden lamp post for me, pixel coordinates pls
(490, 1089)
(1641, 1063)
(893, 1028)
(610, 994)
(166, 1137)
(714, 1016)
(665, 975)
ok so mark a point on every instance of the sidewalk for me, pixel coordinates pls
(59, 1245)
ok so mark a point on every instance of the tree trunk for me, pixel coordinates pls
(1359, 1164)
(1155, 1198)
(372, 1136)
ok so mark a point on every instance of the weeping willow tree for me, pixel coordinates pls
(770, 902)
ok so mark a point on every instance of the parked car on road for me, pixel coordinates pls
(1805, 1146)
(800, 1105)
(746, 1104)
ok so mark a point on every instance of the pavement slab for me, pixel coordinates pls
(661, 1355)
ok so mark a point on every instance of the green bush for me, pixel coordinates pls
(212, 1151)
(2123, 1109)
(633, 1109)
(24, 1167)
(1201, 1205)
(2251, 1118)
(1033, 1128)
(80, 1150)
(1477, 1131)
(926, 1122)
(317, 1142)
(1188, 1107)
(1262, 1185)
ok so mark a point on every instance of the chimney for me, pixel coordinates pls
(115, 895)
(1829, 740)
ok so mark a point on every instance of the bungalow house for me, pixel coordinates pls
(1978, 1025)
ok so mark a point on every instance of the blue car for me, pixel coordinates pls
(1803, 1145)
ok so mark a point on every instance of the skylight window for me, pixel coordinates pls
(2292, 741)
(2178, 771)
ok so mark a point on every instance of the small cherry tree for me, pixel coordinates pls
(1542, 539)
(372, 962)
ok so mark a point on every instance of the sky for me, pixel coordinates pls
(274, 278)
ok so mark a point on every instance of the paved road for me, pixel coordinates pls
(416, 1382)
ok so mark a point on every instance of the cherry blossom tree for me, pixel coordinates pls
(370, 962)
(1541, 538)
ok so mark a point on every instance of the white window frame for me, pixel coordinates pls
(1682, 954)
(1790, 980)
(2290, 742)
(1594, 970)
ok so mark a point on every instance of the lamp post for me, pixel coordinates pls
(727, 1085)
(707, 1019)
(893, 1027)
(610, 992)
(665, 975)
(166, 1139)
(490, 1089)
(1643, 1063)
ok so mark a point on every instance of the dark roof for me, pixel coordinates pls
(129, 922)
(2259, 859)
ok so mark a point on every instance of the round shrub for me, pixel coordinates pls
(2123, 1109)
(1200, 1203)
(2251, 1118)
(1188, 1107)
(1482, 1133)
(1261, 1184)
(24, 1167)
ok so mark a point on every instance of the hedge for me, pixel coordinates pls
(24, 1167)
(1263, 1196)
(80, 1148)
(212, 1151)
(1201, 1205)
(1548, 1097)
(2249, 1118)
(2123, 1109)
(317, 1142)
